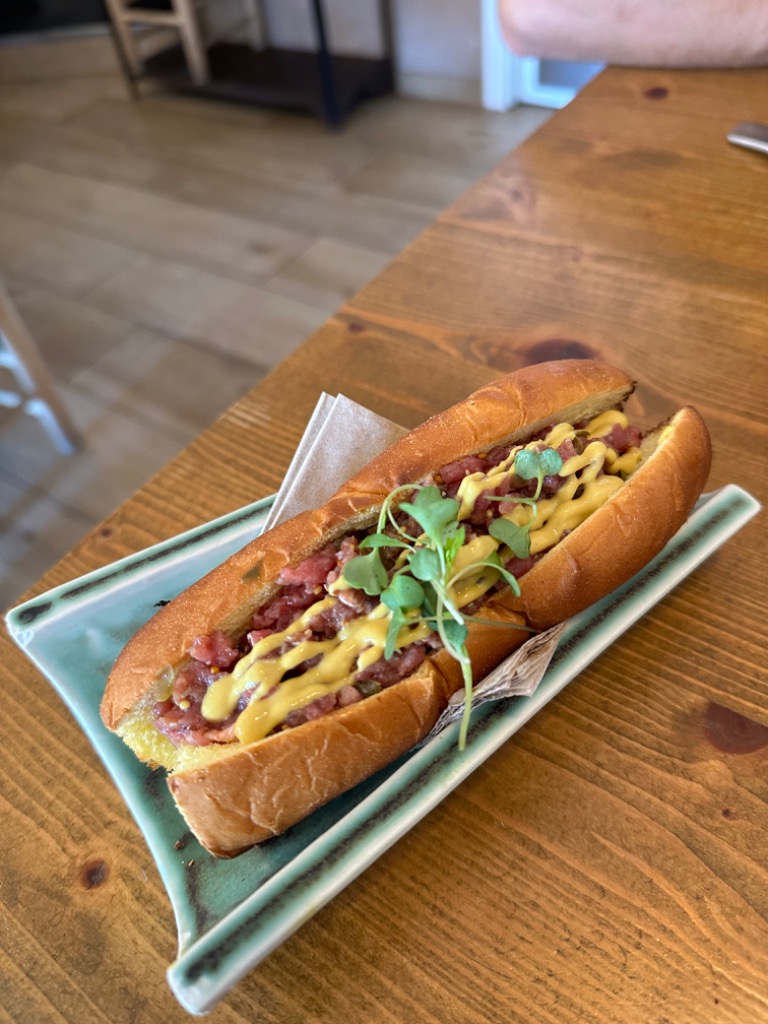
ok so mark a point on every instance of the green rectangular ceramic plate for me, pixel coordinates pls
(232, 914)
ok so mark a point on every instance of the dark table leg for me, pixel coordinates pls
(331, 110)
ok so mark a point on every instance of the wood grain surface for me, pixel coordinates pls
(610, 863)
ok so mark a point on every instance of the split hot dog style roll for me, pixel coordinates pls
(329, 646)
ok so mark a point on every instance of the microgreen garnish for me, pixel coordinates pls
(366, 572)
(517, 538)
(419, 589)
(531, 464)
(528, 465)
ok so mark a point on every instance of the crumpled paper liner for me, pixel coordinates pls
(340, 438)
(518, 676)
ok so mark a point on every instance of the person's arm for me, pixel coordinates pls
(671, 33)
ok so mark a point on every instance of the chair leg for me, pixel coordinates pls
(191, 41)
(125, 37)
(38, 397)
(256, 24)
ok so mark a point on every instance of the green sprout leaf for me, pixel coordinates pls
(455, 536)
(367, 573)
(425, 564)
(403, 592)
(456, 632)
(396, 622)
(550, 461)
(517, 538)
(527, 464)
(535, 465)
(429, 604)
(532, 465)
(432, 512)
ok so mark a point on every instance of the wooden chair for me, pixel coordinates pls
(125, 15)
(181, 15)
(34, 392)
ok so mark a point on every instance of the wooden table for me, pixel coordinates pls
(610, 863)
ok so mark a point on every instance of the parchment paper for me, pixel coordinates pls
(340, 438)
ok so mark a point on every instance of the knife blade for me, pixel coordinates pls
(751, 135)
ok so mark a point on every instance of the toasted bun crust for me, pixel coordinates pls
(233, 796)
(263, 789)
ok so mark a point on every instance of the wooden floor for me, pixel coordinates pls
(166, 253)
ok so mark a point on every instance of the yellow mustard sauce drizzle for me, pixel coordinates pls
(360, 642)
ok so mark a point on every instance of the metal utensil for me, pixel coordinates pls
(751, 135)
